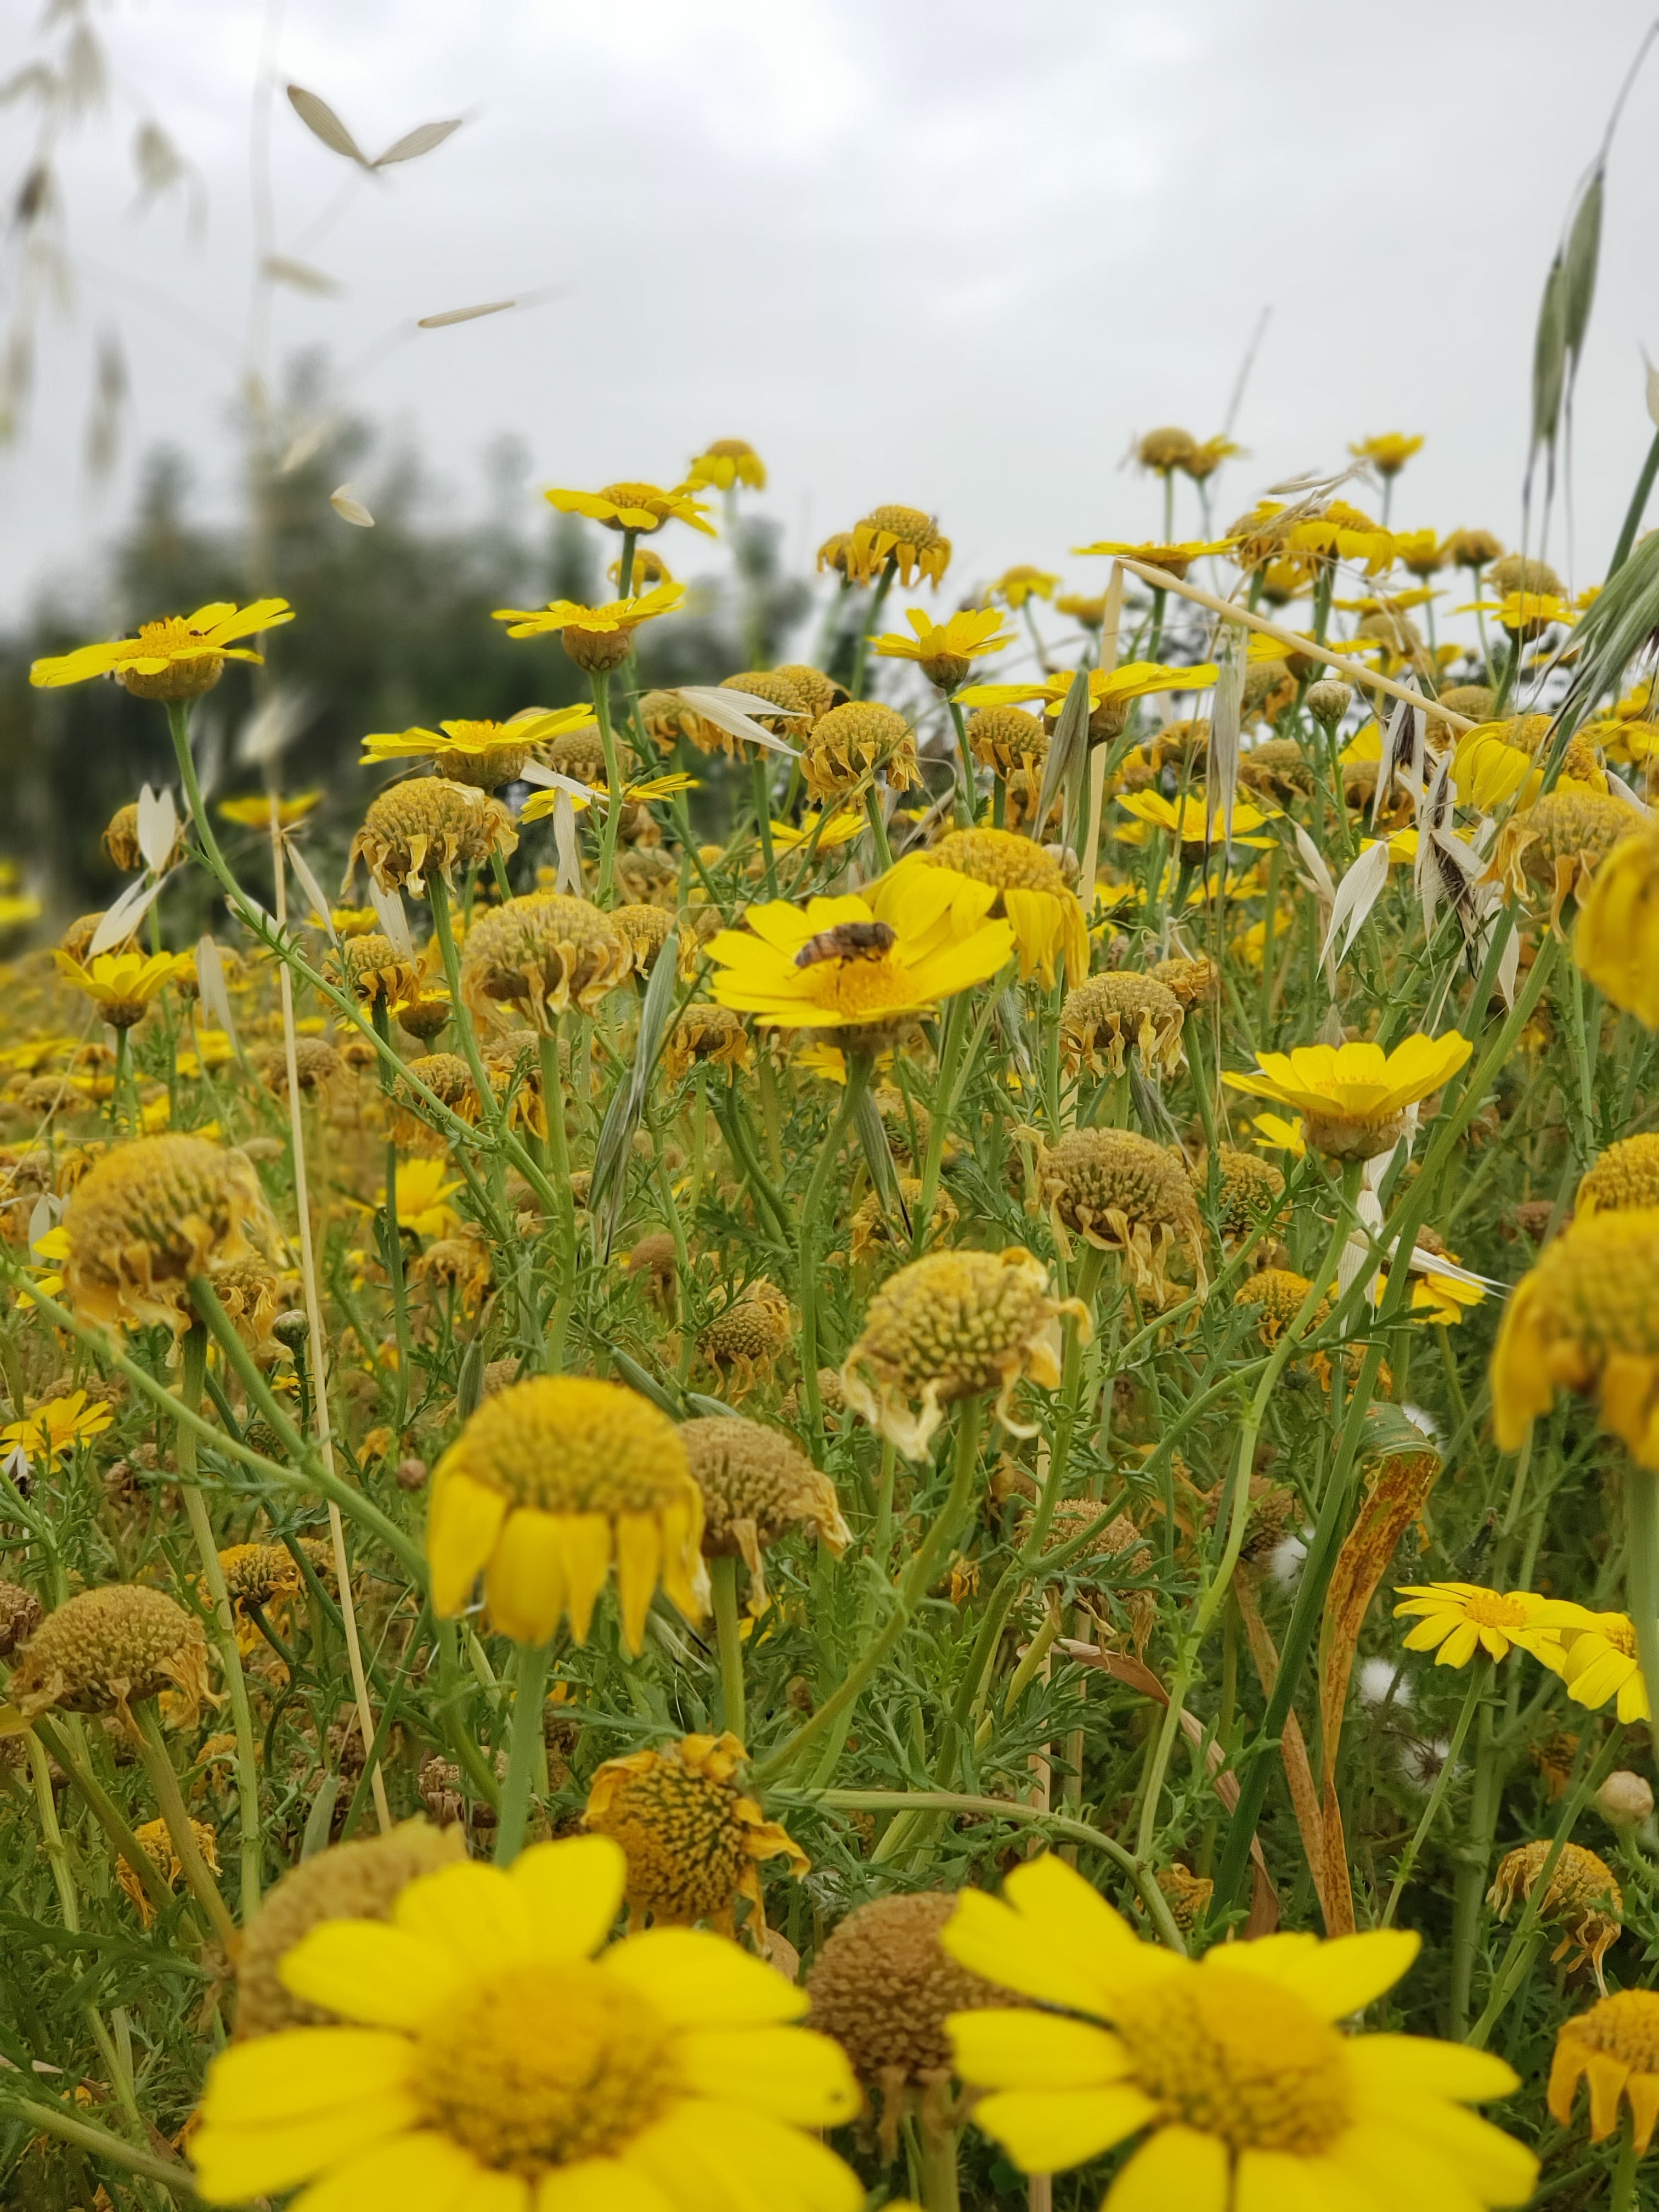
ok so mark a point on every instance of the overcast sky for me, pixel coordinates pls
(940, 251)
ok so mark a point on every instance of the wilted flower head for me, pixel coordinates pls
(429, 823)
(1008, 740)
(1582, 1899)
(1108, 1015)
(757, 1485)
(151, 1215)
(541, 955)
(693, 1839)
(1558, 842)
(705, 1034)
(955, 1325)
(1586, 1318)
(902, 536)
(1247, 1193)
(743, 1340)
(1122, 1192)
(1614, 2047)
(851, 745)
(105, 1650)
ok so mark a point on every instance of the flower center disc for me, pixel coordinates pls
(862, 986)
(1236, 2058)
(542, 2066)
(1496, 1609)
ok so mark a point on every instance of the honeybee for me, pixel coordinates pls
(847, 940)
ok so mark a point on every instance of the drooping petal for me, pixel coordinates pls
(586, 1546)
(639, 1560)
(524, 1586)
(460, 1533)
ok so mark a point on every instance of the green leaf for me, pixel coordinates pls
(1578, 270)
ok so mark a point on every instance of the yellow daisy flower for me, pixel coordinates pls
(1352, 1098)
(1583, 1319)
(1185, 819)
(494, 2052)
(1388, 452)
(834, 964)
(902, 537)
(124, 984)
(969, 873)
(841, 826)
(596, 638)
(486, 753)
(52, 1432)
(726, 462)
(425, 1186)
(1110, 692)
(254, 811)
(1617, 941)
(179, 657)
(946, 650)
(1174, 559)
(1275, 1135)
(640, 507)
(1015, 586)
(549, 1478)
(1614, 2047)
(1525, 614)
(1599, 1658)
(1457, 1619)
(1233, 2067)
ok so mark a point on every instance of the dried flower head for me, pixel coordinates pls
(358, 1880)
(540, 954)
(850, 746)
(1248, 1189)
(645, 930)
(1165, 448)
(429, 822)
(148, 1216)
(105, 1651)
(877, 1224)
(373, 970)
(1191, 982)
(756, 1485)
(955, 1325)
(19, 1616)
(1122, 1192)
(1008, 740)
(153, 1839)
(316, 1063)
(743, 1340)
(693, 1839)
(1586, 1319)
(1583, 1900)
(548, 1479)
(706, 1035)
(1110, 1014)
(1558, 842)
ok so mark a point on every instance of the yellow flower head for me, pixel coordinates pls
(430, 823)
(540, 954)
(1559, 841)
(153, 1839)
(1599, 1658)
(1104, 1017)
(1525, 614)
(58, 1427)
(425, 1186)
(955, 1325)
(853, 745)
(498, 2052)
(1122, 1192)
(1457, 1619)
(549, 1481)
(176, 659)
(487, 754)
(638, 506)
(1187, 819)
(254, 811)
(104, 1651)
(1583, 1900)
(1352, 1098)
(1614, 2047)
(834, 964)
(1275, 1135)
(1165, 448)
(726, 462)
(1111, 692)
(947, 650)
(1617, 940)
(1625, 1179)
(902, 538)
(969, 873)
(1421, 551)
(1232, 2067)
(758, 1485)
(1015, 586)
(124, 984)
(1388, 452)
(1174, 559)
(692, 1838)
(1586, 1318)
(147, 1217)
(822, 833)
(597, 638)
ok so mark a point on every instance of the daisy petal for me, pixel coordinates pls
(1000, 2050)
(788, 2072)
(302, 2071)
(1047, 2130)
(233, 2163)
(1177, 2166)
(421, 2172)
(693, 1979)
(469, 1912)
(600, 2185)
(366, 1971)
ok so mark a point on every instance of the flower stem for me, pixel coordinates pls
(601, 681)
(392, 1242)
(1642, 1577)
(523, 1748)
(158, 1765)
(857, 1079)
(230, 1658)
(967, 790)
(879, 828)
(939, 2190)
(1622, 2196)
(872, 617)
(1480, 1676)
(761, 785)
(723, 1582)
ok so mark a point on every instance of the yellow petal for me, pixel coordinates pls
(471, 1912)
(685, 1576)
(600, 2185)
(421, 2172)
(1280, 2181)
(1404, 2174)
(366, 1971)
(302, 2070)
(790, 2072)
(1421, 2066)
(235, 2163)
(1499, 2170)
(524, 1586)
(573, 1889)
(1333, 1978)
(460, 1531)
(1033, 2051)
(705, 2153)
(586, 1563)
(639, 1559)
(1177, 2167)
(695, 1979)
(485, 2191)
(1047, 2130)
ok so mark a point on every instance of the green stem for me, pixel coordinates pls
(917, 1581)
(761, 784)
(940, 2190)
(857, 1079)
(1469, 1888)
(1480, 1676)
(158, 1765)
(723, 1582)
(1642, 1579)
(967, 789)
(872, 617)
(879, 828)
(105, 1812)
(1622, 2196)
(99, 2142)
(523, 1748)
(1634, 512)
(392, 1242)
(230, 1658)
(601, 681)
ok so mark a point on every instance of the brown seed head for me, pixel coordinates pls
(541, 955)
(104, 1650)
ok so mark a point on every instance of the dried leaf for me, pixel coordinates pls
(349, 509)
(125, 916)
(1292, 1746)
(1355, 894)
(312, 890)
(158, 827)
(1650, 389)
(725, 710)
(211, 985)
(272, 726)
(1066, 749)
(389, 905)
(422, 139)
(566, 846)
(462, 314)
(322, 123)
(301, 276)
(1226, 718)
